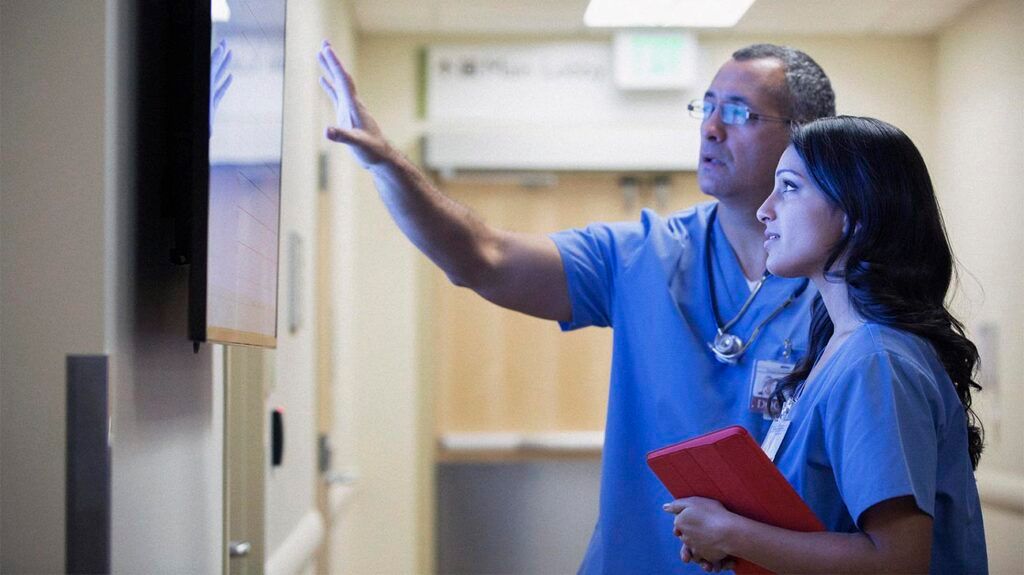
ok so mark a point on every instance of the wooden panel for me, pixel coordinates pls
(245, 378)
(498, 370)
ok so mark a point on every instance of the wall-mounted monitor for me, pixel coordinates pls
(211, 99)
(235, 288)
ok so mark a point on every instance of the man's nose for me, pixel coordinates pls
(712, 128)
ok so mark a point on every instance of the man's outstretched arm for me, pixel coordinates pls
(522, 272)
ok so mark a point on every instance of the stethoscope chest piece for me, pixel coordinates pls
(727, 348)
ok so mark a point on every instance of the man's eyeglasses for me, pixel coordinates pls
(732, 113)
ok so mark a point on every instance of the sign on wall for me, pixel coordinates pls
(549, 106)
(565, 82)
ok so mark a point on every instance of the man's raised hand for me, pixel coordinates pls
(355, 126)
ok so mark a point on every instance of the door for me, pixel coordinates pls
(245, 373)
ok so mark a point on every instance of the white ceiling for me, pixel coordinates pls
(845, 17)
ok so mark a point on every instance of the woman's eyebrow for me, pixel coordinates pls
(787, 170)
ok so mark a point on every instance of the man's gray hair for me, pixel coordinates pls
(810, 92)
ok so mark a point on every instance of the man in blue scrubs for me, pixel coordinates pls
(698, 325)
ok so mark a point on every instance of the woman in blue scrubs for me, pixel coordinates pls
(880, 439)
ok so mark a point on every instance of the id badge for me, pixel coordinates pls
(766, 376)
(777, 432)
(772, 441)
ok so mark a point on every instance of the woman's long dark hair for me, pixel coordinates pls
(898, 263)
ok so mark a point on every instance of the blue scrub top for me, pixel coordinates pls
(647, 280)
(881, 420)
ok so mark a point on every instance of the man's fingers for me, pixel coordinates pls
(221, 90)
(338, 135)
(330, 60)
(341, 78)
(367, 149)
(218, 52)
(326, 85)
(222, 67)
(357, 138)
(323, 63)
(332, 68)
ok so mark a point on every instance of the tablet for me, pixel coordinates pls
(728, 465)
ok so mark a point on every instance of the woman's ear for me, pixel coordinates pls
(846, 225)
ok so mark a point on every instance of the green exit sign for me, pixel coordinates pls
(655, 60)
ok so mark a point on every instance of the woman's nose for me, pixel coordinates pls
(765, 213)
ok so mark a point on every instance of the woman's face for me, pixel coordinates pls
(801, 225)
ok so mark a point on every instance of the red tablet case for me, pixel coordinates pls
(728, 466)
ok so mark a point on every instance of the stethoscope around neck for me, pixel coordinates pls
(727, 347)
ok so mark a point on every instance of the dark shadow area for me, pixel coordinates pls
(170, 381)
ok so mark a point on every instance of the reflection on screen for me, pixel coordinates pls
(247, 98)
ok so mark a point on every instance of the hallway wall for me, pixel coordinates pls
(85, 271)
(977, 172)
(52, 216)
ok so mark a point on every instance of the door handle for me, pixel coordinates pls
(239, 548)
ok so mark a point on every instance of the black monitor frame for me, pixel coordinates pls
(173, 119)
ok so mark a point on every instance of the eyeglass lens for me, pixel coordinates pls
(735, 114)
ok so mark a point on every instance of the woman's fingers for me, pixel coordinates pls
(686, 554)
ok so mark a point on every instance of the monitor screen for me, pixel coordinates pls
(247, 48)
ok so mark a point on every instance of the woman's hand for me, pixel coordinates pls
(727, 564)
(703, 525)
(355, 126)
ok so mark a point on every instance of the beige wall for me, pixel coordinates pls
(290, 488)
(978, 174)
(52, 218)
(84, 270)
(890, 78)
(381, 530)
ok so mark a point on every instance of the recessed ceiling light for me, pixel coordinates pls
(662, 13)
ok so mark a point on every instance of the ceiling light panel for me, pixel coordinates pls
(665, 13)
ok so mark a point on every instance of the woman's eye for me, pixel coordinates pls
(788, 186)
